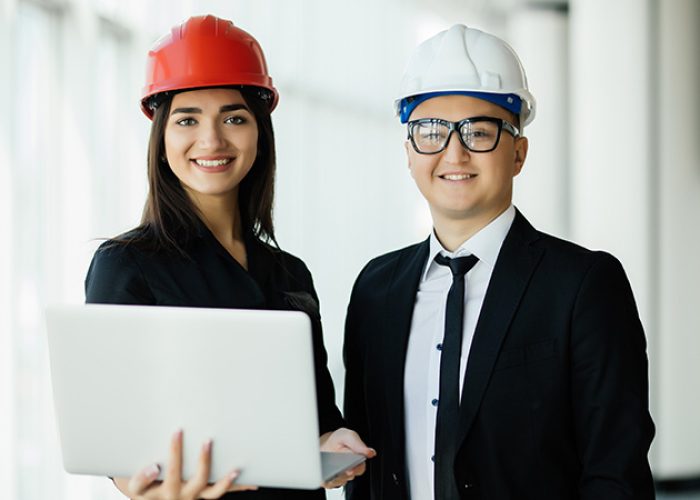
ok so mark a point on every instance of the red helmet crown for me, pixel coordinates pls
(205, 51)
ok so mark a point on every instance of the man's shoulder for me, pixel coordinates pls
(570, 255)
(382, 268)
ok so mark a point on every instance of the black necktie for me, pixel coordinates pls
(448, 400)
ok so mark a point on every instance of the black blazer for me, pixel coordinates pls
(555, 397)
(209, 277)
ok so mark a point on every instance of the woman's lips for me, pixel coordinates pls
(212, 165)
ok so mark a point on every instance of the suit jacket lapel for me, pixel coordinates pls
(399, 304)
(514, 267)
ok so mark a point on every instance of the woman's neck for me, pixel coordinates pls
(221, 215)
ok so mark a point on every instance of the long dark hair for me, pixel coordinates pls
(170, 219)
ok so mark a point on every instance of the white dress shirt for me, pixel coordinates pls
(422, 372)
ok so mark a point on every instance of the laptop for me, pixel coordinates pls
(125, 378)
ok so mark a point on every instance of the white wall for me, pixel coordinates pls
(677, 181)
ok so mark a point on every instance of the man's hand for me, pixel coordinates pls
(345, 440)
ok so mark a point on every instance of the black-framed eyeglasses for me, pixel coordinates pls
(480, 134)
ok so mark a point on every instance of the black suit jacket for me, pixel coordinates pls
(207, 276)
(555, 397)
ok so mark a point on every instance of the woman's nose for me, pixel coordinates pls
(210, 137)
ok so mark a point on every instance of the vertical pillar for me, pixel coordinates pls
(7, 366)
(677, 132)
(540, 37)
(613, 146)
(612, 159)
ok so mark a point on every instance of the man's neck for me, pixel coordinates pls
(452, 232)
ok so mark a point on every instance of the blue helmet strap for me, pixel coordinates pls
(511, 102)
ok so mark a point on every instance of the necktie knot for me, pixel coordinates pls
(459, 265)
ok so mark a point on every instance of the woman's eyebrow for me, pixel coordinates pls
(233, 107)
(186, 110)
(222, 109)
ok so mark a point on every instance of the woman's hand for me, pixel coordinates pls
(143, 485)
(345, 440)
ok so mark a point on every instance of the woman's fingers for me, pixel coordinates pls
(173, 476)
(141, 481)
(172, 486)
(224, 485)
(198, 482)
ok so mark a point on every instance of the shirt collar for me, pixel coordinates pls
(485, 244)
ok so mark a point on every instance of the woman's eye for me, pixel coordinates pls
(186, 122)
(235, 120)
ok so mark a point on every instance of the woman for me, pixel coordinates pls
(206, 238)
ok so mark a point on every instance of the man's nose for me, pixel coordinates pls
(455, 152)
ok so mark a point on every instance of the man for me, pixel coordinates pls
(491, 361)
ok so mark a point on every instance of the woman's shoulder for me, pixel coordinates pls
(136, 239)
(289, 262)
(115, 275)
(139, 244)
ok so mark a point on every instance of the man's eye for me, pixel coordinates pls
(432, 133)
(186, 122)
(236, 120)
(479, 134)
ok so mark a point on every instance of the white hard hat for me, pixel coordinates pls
(470, 61)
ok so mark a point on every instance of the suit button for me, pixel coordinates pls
(395, 478)
(468, 486)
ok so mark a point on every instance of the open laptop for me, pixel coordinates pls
(125, 378)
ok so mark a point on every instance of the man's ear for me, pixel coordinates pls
(406, 147)
(521, 147)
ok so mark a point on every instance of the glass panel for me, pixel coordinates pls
(35, 125)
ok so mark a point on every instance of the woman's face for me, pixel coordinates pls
(211, 139)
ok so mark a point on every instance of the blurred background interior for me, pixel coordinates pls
(613, 164)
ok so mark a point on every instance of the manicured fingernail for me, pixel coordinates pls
(206, 447)
(233, 475)
(152, 471)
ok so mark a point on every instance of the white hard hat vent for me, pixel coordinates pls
(491, 81)
(451, 64)
(466, 59)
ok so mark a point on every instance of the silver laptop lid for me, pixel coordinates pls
(126, 377)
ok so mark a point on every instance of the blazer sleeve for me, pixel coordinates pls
(114, 277)
(354, 405)
(329, 416)
(609, 376)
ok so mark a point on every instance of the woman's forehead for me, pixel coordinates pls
(205, 96)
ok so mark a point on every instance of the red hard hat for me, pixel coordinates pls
(205, 51)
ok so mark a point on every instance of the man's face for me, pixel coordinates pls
(457, 183)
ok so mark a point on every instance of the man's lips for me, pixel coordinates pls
(457, 177)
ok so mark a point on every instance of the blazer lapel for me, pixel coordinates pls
(514, 267)
(398, 313)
